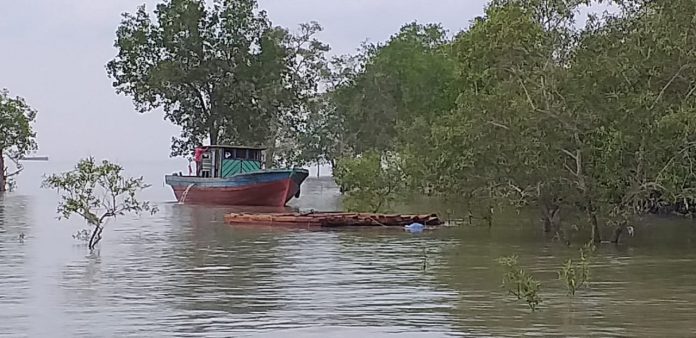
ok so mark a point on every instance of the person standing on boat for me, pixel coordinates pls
(198, 157)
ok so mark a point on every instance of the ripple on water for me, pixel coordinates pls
(184, 273)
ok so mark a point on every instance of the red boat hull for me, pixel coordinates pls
(272, 188)
(275, 194)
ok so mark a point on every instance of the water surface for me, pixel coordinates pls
(183, 272)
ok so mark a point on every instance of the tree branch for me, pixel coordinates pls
(17, 172)
(201, 98)
(572, 172)
(573, 156)
(499, 125)
(691, 92)
(17, 164)
(669, 83)
(526, 92)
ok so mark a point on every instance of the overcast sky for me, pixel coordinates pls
(53, 52)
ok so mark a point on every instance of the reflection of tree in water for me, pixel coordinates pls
(318, 194)
(219, 273)
(622, 275)
(14, 286)
(365, 278)
(2, 212)
(392, 277)
(14, 217)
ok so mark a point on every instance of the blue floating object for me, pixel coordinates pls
(414, 227)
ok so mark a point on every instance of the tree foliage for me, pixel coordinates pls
(519, 282)
(520, 140)
(17, 136)
(370, 181)
(526, 107)
(576, 275)
(97, 192)
(222, 73)
(321, 137)
(406, 80)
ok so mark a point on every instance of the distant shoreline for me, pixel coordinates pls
(34, 158)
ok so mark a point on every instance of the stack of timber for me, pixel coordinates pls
(331, 219)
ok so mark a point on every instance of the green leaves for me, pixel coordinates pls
(222, 73)
(17, 136)
(370, 180)
(520, 283)
(408, 77)
(595, 117)
(97, 191)
(576, 275)
(16, 117)
(524, 286)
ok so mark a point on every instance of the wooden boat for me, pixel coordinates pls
(331, 219)
(234, 175)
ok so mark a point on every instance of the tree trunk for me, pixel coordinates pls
(586, 190)
(617, 234)
(489, 216)
(552, 219)
(550, 213)
(96, 236)
(213, 134)
(271, 141)
(3, 183)
(592, 217)
(270, 154)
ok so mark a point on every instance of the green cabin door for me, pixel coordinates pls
(237, 166)
(233, 161)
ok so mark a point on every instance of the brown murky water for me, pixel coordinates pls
(183, 272)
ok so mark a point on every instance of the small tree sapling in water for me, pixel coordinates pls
(577, 274)
(97, 192)
(520, 283)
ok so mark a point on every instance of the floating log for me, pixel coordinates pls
(331, 219)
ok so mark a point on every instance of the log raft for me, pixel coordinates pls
(331, 219)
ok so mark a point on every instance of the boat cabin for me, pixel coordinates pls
(221, 161)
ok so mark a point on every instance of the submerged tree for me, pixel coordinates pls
(97, 192)
(527, 108)
(519, 282)
(636, 73)
(16, 134)
(222, 73)
(370, 181)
